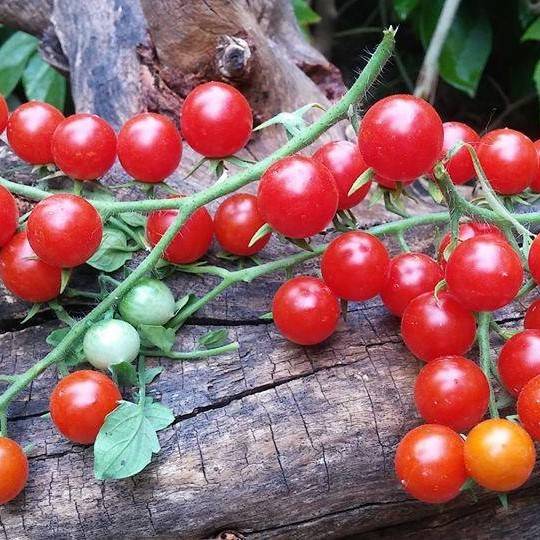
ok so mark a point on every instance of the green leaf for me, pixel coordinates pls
(42, 82)
(404, 7)
(14, 54)
(32, 312)
(184, 302)
(267, 316)
(126, 373)
(158, 336)
(159, 416)
(56, 336)
(76, 355)
(261, 232)
(434, 191)
(536, 77)
(533, 32)
(214, 338)
(134, 219)
(113, 252)
(151, 373)
(304, 14)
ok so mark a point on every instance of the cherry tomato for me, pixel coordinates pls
(401, 137)
(84, 146)
(236, 221)
(432, 327)
(532, 316)
(534, 259)
(216, 120)
(391, 184)
(13, 469)
(4, 113)
(344, 161)
(519, 360)
(535, 184)
(9, 216)
(305, 310)
(528, 407)
(452, 391)
(80, 402)
(509, 160)
(409, 276)
(190, 243)
(149, 147)
(26, 276)
(355, 266)
(64, 230)
(305, 188)
(30, 131)
(429, 463)
(460, 167)
(499, 454)
(484, 273)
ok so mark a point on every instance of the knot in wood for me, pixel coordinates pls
(233, 57)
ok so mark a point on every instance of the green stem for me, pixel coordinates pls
(3, 423)
(482, 335)
(7, 378)
(193, 355)
(141, 368)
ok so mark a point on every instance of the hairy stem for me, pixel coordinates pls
(482, 335)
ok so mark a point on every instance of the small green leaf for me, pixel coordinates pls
(434, 191)
(533, 32)
(503, 499)
(56, 336)
(214, 338)
(302, 243)
(134, 219)
(113, 252)
(151, 373)
(404, 7)
(261, 233)
(184, 302)
(66, 274)
(159, 416)
(125, 373)
(43, 83)
(362, 180)
(14, 54)
(267, 316)
(304, 14)
(32, 312)
(158, 336)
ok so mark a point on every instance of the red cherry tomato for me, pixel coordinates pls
(4, 113)
(484, 273)
(452, 391)
(391, 184)
(190, 243)
(401, 137)
(84, 146)
(305, 310)
(519, 360)
(297, 196)
(460, 167)
(9, 216)
(30, 131)
(80, 402)
(528, 407)
(236, 221)
(499, 454)
(355, 266)
(409, 276)
(509, 160)
(535, 184)
(432, 327)
(13, 469)
(534, 259)
(429, 463)
(344, 161)
(532, 316)
(25, 275)
(216, 120)
(149, 147)
(64, 230)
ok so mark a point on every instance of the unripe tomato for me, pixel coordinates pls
(4, 113)
(499, 455)
(13, 469)
(535, 184)
(149, 147)
(297, 196)
(460, 167)
(534, 259)
(9, 216)
(532, 316)
(30, 131)
(528, 407)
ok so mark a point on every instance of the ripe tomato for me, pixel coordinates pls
(519, 360)
(190, 243)
(534, 259)
(84, 146)
(64, 230)
(355, 266)
(26, 276)
(13, 469)
(532, 316)
(452, 391)
(80, 402)
(509, 160)
(216, 120)
(528, 407)
(149, 147)
(499, 454)
(484, 273)
(429, 463)
(305, 310)
(9, 216)
(409, 276)
(344, 161)
(535, 184)
(4, 113)
(460, 167)
(30, 130)
(432, 327)
(401, 137)
(236, 221)
(305, 188)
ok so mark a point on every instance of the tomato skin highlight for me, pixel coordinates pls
(532, 316)
(409, 276)
(430, 465)
(24, 275)
(216, 120)
(499, 455)
(303, 186)
(9, 216)
(528, 407)
(236, 221)
(401, 137)
(80, 402)
(452, 391)
(149, 147)
(433, 327)
(345, 163)
(355, 266)
(305, 310)
(4, 114)
(534, 259)
(535, 184)
(84, 146)
(13, 469)
(64, 230)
